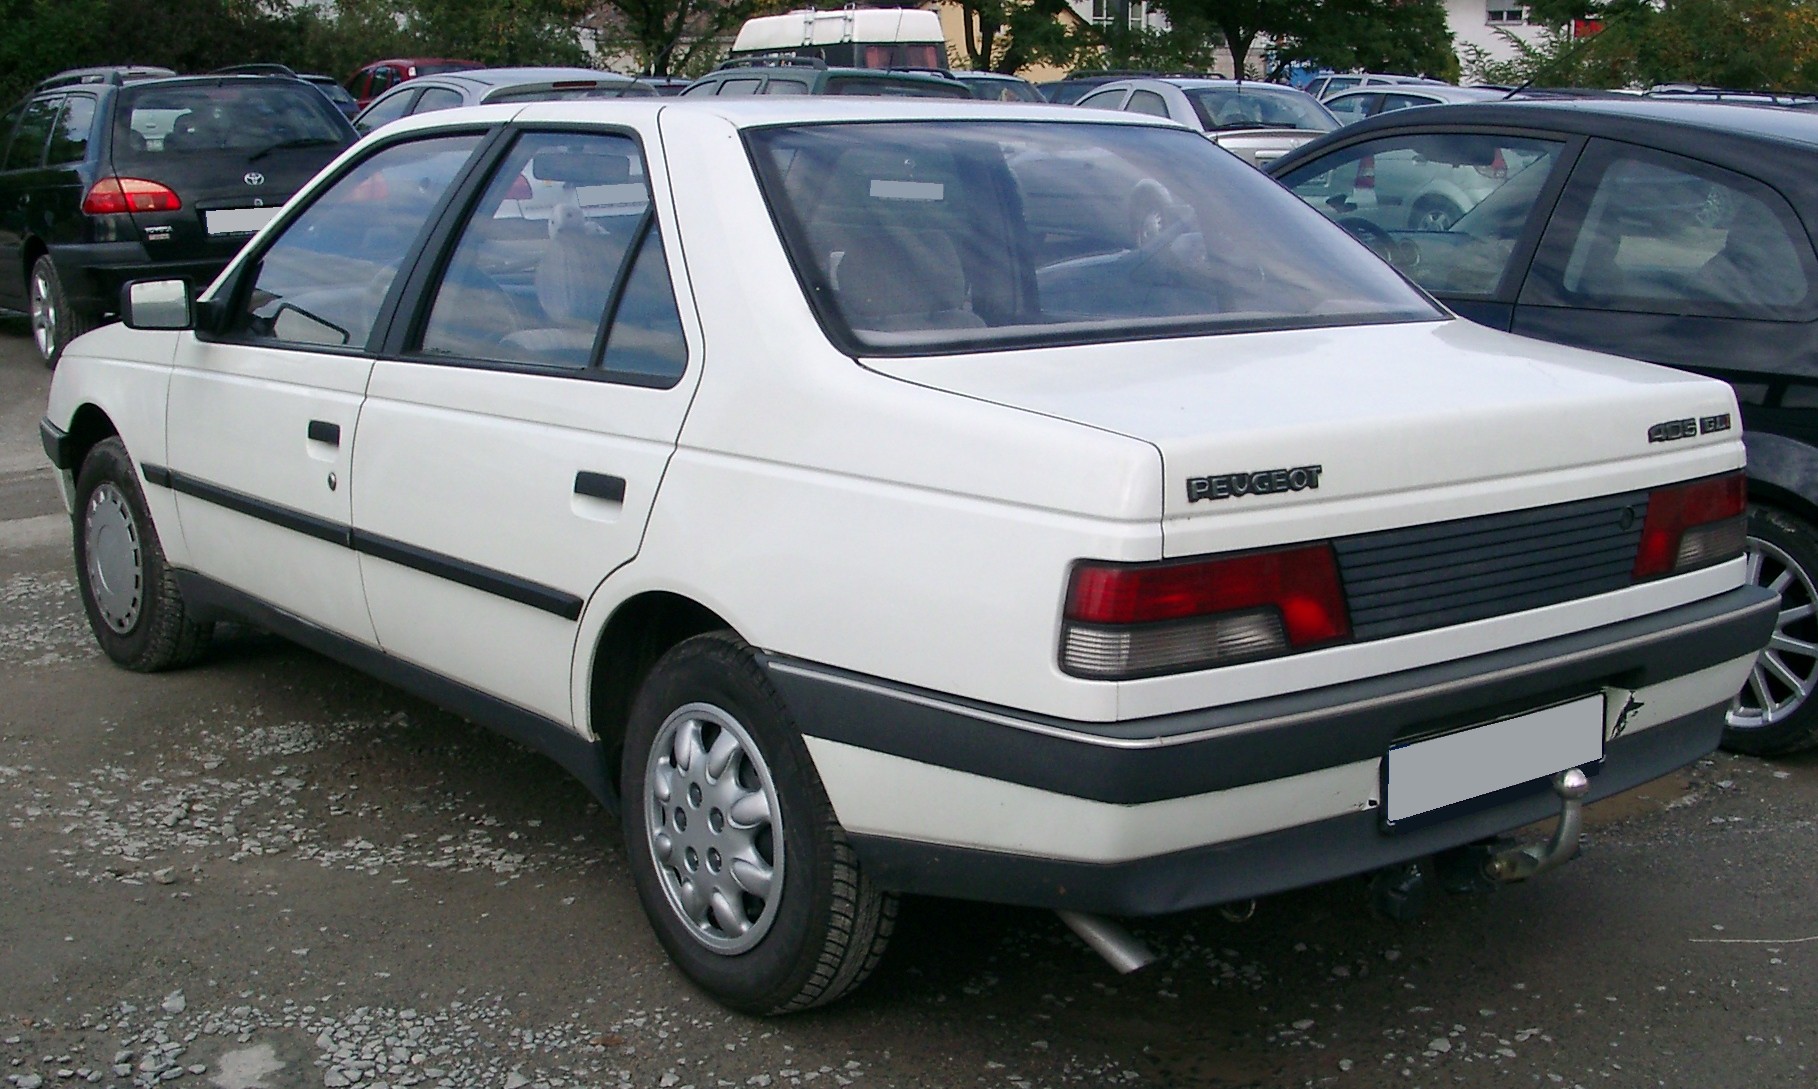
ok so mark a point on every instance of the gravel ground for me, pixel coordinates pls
(270, 872)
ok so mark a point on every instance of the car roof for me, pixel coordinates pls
(506, 77)
(1614, 116)
(1195, 83)
(1444, 91)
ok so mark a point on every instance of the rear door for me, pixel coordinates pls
(21, 176)
(520, 419)
(1678, 261)
(262, 417)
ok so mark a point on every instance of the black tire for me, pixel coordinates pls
(1783, 555)
(828, 926)
(55, 320)
(131, 598)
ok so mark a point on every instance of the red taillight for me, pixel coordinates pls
(574, 84)
(1693, 525)
(1134, 620)
(1366, 173)
(520, 189)
(112, 196)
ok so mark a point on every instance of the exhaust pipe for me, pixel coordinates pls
(1121, 949)
(1521, 863)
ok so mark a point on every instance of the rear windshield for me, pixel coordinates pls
(439, 69)
(922, 237)
(237, 119)
(911, 88)
(1222, 109)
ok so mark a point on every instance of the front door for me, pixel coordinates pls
(518, 425)
(262, 419)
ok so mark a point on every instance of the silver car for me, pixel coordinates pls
(1368, 102)
(1259, 122)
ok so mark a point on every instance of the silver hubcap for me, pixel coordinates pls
(44, 314)
(715, 828)
(1435, 218)
(1787, 671)
(116, 558)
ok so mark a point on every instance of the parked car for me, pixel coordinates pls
(1076, 85)
(1349, 106)
(334, 92)
(667, 86)
(1679, 232)
(1256, 121)
(120, 174)
(856, 529)
(483, 86)
(1324, 87)
(380, 76)
(780, 75)
(997, 87)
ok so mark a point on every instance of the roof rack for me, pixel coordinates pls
(1694, 90)
(111, 75)
(258, 69)
(772, 60)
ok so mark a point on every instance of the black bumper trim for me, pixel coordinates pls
(1261, 865)
(1172, 756)
(56, 445)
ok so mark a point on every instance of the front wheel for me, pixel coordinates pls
(1776, 712)
(745, 874)
(131, 598)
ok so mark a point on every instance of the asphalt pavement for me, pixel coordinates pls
(269, 871)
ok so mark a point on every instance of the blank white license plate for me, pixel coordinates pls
(237, 220)
(1441, 771)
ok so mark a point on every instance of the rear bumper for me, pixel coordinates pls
(94, 272)
(1178, 811)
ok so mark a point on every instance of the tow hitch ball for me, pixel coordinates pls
(1402, 892)
(1521, 863)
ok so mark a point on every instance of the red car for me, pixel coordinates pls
(382, 75)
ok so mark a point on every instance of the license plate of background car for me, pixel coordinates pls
(237, 220)
(1455, 767)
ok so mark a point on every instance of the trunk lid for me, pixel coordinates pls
(1260, 147)
(1297, 435)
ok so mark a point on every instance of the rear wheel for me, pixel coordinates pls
(745, 874)
(1433, 214)
(55, 322)
(1777, 712)
(131, 598)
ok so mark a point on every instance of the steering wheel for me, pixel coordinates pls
(1380, 241)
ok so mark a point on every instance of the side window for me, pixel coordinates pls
(27, 148)
(386, 110)
(383, 79)
(1147, 102)
(1447, 210)
(1349, 108)
(69, 139)
(785, 87)
(542, 261)
(322, 280)
(702, 89)
(1402, 102)
(1102, 100)
(739, 87)
(437, 98)
(1668, 235)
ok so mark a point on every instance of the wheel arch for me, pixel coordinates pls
(29, 253)
(1783, 473)
(88, 425)
(640, 631)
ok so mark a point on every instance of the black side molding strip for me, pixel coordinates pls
(498, 583)
(585, 760)
(600, 486)
(56, 444)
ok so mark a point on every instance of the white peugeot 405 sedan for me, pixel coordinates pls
(870, 497)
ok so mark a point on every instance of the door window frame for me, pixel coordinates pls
(1515, 270)
(234, 288)
(405, 324)
(1545, 285)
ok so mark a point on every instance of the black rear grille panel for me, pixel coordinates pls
(1400, 581)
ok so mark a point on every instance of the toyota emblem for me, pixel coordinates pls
(254, 178)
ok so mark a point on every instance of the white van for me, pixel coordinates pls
(854, 37)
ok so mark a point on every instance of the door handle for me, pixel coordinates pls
(323, 431)
(600, 486)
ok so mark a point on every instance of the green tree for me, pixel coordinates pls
(1236, 23)
(1406, 36)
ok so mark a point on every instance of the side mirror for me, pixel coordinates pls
(157, 304)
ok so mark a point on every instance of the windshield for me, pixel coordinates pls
(238, 118)
(915, 238)
(1250, 106)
